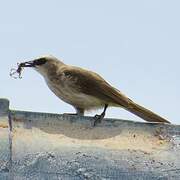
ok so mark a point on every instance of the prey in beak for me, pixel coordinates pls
(16, 73)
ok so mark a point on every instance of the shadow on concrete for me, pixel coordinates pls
(82, 127)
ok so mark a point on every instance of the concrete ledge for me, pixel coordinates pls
(53, 146)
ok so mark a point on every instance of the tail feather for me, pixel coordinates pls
(145, 113)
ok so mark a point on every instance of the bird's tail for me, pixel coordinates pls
(145, 113)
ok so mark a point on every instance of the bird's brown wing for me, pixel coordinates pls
(92, 84)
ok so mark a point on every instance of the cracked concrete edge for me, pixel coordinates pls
(38, 116)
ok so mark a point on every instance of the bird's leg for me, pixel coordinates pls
(79, 112)
(99, 118)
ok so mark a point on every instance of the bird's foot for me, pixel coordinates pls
(98, 118)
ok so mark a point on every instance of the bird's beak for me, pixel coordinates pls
(28, 64)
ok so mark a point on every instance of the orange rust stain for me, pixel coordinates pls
(3, 126)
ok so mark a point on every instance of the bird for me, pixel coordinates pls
(86, 90)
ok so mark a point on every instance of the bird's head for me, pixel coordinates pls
(43, 64)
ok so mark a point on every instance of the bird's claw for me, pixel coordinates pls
(97, 119)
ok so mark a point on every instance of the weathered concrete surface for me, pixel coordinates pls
(4, 148)
(52, 146)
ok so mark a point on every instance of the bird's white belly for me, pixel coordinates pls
(75, 98)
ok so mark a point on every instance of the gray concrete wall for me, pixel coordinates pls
(53, 146)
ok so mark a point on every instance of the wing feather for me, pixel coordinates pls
(92, 84)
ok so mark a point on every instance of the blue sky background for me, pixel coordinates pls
(134, 45)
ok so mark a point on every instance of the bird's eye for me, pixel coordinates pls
(40, 61)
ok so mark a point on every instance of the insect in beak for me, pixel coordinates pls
(16, 73)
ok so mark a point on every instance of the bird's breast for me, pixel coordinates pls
(71, 95)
